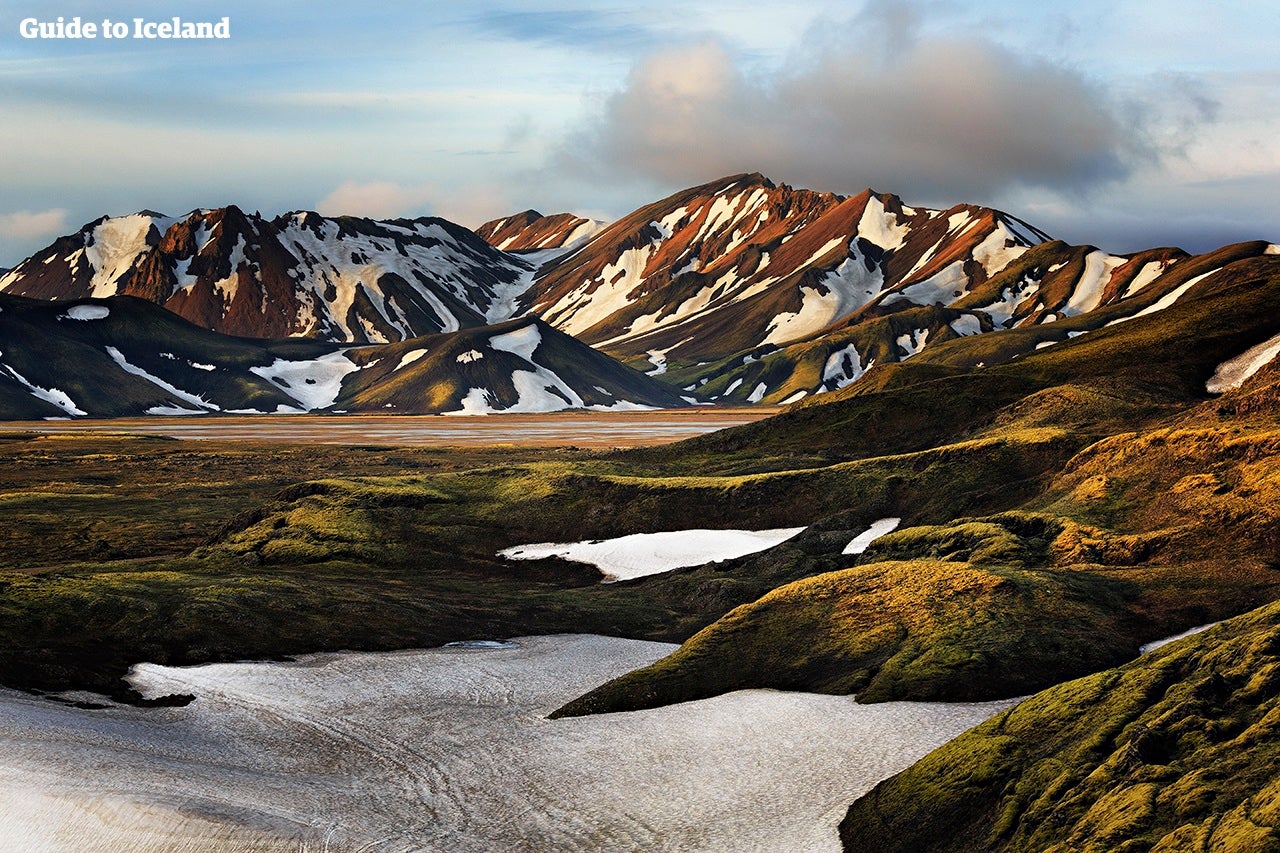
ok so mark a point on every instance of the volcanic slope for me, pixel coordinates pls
(124, 356)
(342, 279)
(743, 291)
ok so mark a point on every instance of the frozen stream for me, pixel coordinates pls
(447, 749)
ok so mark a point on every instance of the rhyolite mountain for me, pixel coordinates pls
(530, 231)
(342, 279)
(124, 356)
(736, 291)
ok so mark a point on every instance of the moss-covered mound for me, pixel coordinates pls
(920, 629)
(964, 619)
(1179, 750)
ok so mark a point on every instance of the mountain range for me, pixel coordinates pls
(738, 291)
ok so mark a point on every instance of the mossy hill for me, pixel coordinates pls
(1177, 750)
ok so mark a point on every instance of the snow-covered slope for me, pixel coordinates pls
(530, 231)
(339, 279)
(741, 263)
(124, 356)
(521, 365)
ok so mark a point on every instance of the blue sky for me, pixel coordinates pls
(1122, 124)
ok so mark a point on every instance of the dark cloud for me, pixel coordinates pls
(875, 104)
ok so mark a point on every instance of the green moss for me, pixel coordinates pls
(1143, 757)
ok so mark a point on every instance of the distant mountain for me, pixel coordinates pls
(338, 279)
(530, 231)
(736, 291)
(124, 356)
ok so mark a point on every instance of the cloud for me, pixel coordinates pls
(27, 225)
(388, 200)
(377, 199)
(880, 105)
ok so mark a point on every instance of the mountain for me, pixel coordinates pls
(530, 231)
(521, 365)
(744, 291)
(737, 291)
(300, 275)
(124, 356)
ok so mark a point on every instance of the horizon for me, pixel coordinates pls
(1125, 128)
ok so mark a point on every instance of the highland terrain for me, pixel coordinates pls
(1065, 454)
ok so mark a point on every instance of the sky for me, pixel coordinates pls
(1125, 124)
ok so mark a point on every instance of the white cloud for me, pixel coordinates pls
(377, 199)
(936, 118)
(26, 224)
(388, 200)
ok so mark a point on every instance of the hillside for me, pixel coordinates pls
(124, 356)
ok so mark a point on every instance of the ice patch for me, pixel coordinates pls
(642, 554)
(87, 312)
(314, 384)
(449, 749)
(863, 540)
(1233, 372)
(175, 411)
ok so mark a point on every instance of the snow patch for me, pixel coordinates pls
(912, 342)
(863, 540)
(758, 393)
(966, 325)
(87, 312)
(1098, 267)
(314, 384)
(1155, 644)
(117, 243)
(880, 227)
(843, 367)
(1149, 273)
(1165, 301)
(184, 396)
(49, 395)
(944, 287)
(411, 356)
(478, 401)
(465, 358)
(642, 554)
(1233, 372)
